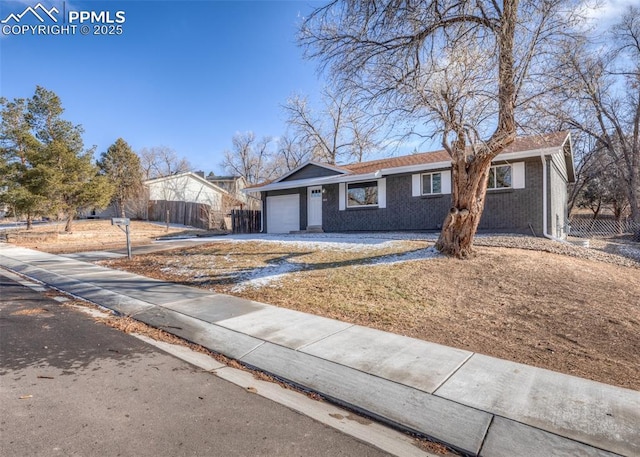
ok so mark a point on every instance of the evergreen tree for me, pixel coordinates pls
(18, 148)
(49, 170)
(122, 168)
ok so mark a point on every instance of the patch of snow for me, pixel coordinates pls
(263, 276)
(419, 254)
(179, 271)
(630, 251)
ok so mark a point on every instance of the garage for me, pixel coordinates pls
(283, 213)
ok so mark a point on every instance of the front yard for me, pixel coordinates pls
(87, 235)
(564, 308)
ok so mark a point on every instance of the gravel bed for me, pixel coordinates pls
(627, 255)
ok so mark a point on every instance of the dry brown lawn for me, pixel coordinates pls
(87, 235)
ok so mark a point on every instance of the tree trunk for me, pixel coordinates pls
(69, 225)
(470, 170)
(596, 211)
(122, 209)
(29, 221)
(469, 188)
(634, 198)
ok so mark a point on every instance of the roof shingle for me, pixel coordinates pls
(521, 144)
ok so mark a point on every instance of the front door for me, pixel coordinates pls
(314, 206)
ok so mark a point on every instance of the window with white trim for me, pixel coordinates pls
(500, 177)
(362, 194)
(431, 183)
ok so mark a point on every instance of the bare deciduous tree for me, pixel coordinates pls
(250, 158)
(292, 153)
(159, 161)
(599, 96)
(603, 185)
(339, 132)
(458, 68)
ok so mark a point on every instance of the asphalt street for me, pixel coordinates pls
(71, 386)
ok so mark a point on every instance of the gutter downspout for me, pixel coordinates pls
(263, 204)
(544, 202)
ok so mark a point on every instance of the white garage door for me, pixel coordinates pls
(283, 213)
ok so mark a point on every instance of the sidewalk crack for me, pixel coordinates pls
(300, 348)
(434, 392)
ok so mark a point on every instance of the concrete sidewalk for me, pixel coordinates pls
(476, 404)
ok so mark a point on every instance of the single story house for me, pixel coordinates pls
(527, 192)
(178, 195)
(185, 187)
(175, 193)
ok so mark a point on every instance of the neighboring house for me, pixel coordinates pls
(232, 184)
(527, 192)
(175, 197)
(186, 187)
(235, 185)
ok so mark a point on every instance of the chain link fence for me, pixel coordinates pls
(584, 226)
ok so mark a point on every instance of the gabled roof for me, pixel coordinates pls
(521, 144)
(337, 169)
(522, 147)
(189, 175)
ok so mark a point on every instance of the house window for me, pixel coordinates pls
(431, 183)
(499, 177)
(362, 194)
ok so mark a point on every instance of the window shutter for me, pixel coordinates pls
(416, 190)
(342, 196)
(446, 182)
(382, 193)
(517, 170)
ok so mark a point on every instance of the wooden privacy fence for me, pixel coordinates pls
(246, 221)
(197, 215)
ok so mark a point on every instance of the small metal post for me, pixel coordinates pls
(128, 242)
(123, 221)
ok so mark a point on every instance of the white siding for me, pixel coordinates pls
(185, 189)
(518, 175)
(382, 193)
(446, 181)
(416, 186)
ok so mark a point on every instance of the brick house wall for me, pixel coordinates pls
(535, 161)
(513, 210)
(508, 210)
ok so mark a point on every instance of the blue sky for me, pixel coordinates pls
(184, 74)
